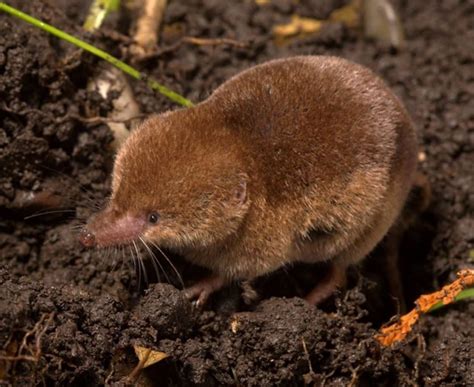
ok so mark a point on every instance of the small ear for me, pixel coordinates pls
(240, 191)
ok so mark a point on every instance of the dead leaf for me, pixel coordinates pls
(381, 22)
(147, 356)
(234, 325)
(398, 331)
(298, 25)
(348, 15)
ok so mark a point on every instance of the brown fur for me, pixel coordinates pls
(301, 159)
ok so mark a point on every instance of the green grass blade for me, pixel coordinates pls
(175, 97)
(114, 5)
(98, 11)
(466, 293)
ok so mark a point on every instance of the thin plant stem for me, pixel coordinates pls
(466, 293)
(98, 11)
(175, 97)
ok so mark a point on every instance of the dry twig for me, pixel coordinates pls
(310, 376)
(399, 330)
(213, 42)
(146, 35)
(24, 351)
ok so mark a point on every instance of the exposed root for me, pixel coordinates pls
(146, 358)
(25, 352)
(107, 120)
(399, 330)
(146, 34)
(126, 109)
(133, 376)
(213, 42)
(310, 376)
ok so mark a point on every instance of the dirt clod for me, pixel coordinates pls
(165, 311)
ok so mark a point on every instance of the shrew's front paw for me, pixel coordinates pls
(201, 291)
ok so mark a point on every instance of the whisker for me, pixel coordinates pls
(135, 266)
(85, 193)
(154, 261)
(70, 178)
(47, 213)
(115, 256)
(105, 254)
(170, 263)
(140, 263)
(109, 252)
(77, 227)
(94, 202)
(122, 248)
(114, 259)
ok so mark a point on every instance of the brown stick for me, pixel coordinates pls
(36, 352)
(146, 35)
(133, 376)
(213, 42)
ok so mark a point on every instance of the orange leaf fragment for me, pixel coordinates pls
(348, 15)
(398, 331)
(298, 25)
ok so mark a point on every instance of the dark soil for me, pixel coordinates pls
(80, 313)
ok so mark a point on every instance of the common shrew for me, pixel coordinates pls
(301, 159)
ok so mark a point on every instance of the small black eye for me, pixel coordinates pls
(153, 217)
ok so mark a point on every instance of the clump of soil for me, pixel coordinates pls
(74, 314)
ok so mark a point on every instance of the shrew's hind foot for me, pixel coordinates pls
(201, 291)
(334, 279)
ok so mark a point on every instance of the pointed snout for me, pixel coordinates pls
(109, 229)
(87, 238)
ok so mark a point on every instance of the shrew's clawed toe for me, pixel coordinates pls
(201, 291)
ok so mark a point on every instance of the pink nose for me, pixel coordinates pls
(87, 238)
